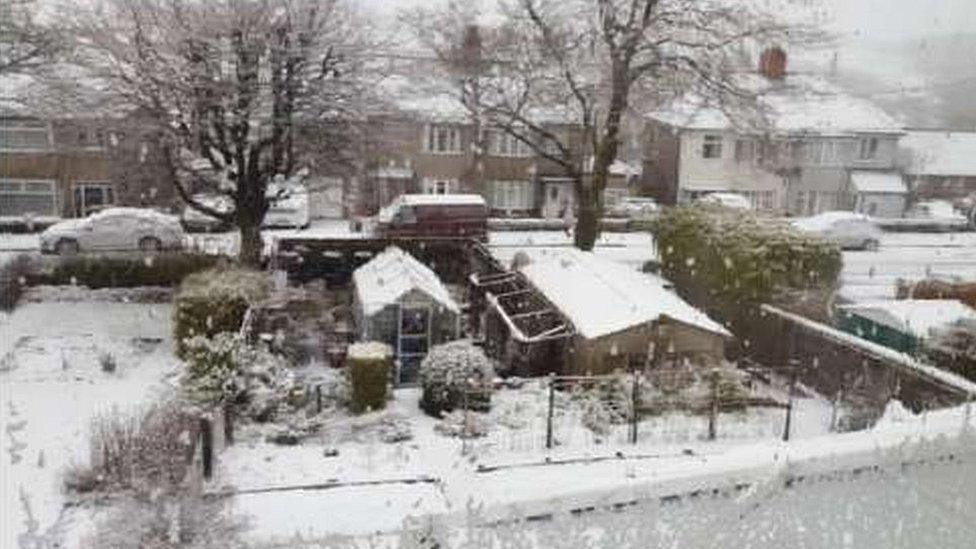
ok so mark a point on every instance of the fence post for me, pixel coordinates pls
(318, 398)
(635, 402)
(552, 402)
(206, 447)
(838, 396)
(794, 370)
(713, 409)
(228, 424)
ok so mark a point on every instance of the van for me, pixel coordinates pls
(435, 215)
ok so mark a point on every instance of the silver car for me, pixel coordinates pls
(849, 230)
(114, 229)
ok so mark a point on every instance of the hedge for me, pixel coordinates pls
(116, 272)
(13, 276)
(214, 301)
(728, 263)
(369, 371)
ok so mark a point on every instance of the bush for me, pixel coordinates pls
(225, 369)
(125, 272)
(13, 277)
(215, 301)
(142, 451)
(445, 374)
(369, 367)
(730, 263)
(953, 347)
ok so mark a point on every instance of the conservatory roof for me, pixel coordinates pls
(917, 317)
(601, 297)
(391, 275)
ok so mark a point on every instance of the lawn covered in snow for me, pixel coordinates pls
(52, 385)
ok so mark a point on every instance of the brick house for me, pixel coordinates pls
(816, 146)
(70, 168)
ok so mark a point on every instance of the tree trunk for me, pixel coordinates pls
(251, 244)
(588, 222)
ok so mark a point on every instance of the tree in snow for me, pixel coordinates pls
(560, 76)
(450, 371)
(25, 43)
(242, 93)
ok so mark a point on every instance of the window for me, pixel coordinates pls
(503, 144)
(868, 149)
(512, 195)
(27, 197)
(442, 139)
(712, 146)
(822, 152)
(440, 186)
(92, 197)
(24, 138)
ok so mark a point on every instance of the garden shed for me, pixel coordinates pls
(400, 301)
(605, 316)
(901, 324)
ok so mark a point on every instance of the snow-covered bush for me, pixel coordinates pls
(215, 301)
(728, 264)
(450, 371)
(953, 347)
(226, 369)
(369, 366)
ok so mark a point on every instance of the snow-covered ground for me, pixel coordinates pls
(52, 386)
(632, 249)
(868, 276)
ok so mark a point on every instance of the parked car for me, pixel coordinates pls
(435, 215)
(849, 230)
(726, 200)
(935, 210)
(634, 207)
(289, 207)
(194, 220)
(114, 229)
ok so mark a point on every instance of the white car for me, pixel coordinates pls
(849, 230)
(634, 207)
(289, 207)
(195, 220)
(726, 200)
(114, 229)
(940, 210)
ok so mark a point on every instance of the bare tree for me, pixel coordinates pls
(233, 87)
(579, 65)
(25, 44)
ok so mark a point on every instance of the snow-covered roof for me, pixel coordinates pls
(869, 181)
(941, 153)
(913, 316)
(391, 274)
(602, 297)
(797, 104)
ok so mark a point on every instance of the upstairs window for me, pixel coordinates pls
(503, 144)
(712, 146)
(868, 149)
(440, 139)
(24, 138)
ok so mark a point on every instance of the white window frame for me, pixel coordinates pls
(433, 134)
(512, 195)
(433, 185)
(25, 145)
(506, 145)
(7, 186)
(868, 148)
(712, 145)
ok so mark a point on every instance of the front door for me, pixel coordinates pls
(559, 196)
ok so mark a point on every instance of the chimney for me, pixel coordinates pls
(772, 63)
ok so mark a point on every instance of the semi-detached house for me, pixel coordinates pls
(813, 148)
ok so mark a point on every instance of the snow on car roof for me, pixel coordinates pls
(601, 297)
(823, 221)
(433, 199)
(869, 181)
(731, 200)
(913, 316)
(941, 152)
(798, 103)
(393, 273)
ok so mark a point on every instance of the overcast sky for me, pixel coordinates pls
(870, 18)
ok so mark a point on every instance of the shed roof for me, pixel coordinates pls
(601, 297)
(916, 317)
(391, 275)
(868, 181)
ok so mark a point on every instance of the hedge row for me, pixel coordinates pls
(117, 272)
(215, 301)
(729, 262)
(369, 366)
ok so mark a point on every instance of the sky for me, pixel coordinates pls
(881, 19)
